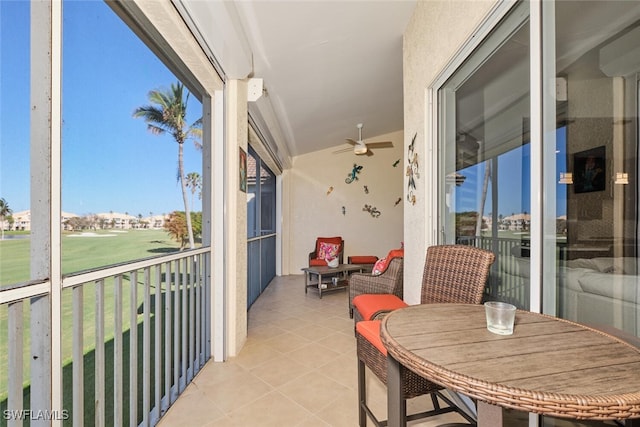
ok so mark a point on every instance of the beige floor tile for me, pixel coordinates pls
(340, 342)
(342, 412)
(313, 355)
(287, 342)
(271, 410)
(236, 392)
(188, 409)
(216, 372)
(280, 370)
(254, 354)
(313, 391)
(342, 369)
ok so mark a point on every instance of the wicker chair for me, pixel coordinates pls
(445, 264)
(452, 274)
(389, 282)
(313, 256)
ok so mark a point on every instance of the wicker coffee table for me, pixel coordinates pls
(328, 285)
(548, 366)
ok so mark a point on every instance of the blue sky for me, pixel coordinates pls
(514, 181)
(110, 161)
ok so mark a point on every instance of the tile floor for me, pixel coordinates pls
(297, 368)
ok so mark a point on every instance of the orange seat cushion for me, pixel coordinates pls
(317, 262)
(368, 305)
(370, 330)
(363, 259)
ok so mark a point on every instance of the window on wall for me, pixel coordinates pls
(15, 180)
(130, 173)
(484, 150)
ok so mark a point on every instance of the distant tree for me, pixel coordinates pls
(75, 223)
(5, 211)
(176, 226)
(194, 183)
(167, 114)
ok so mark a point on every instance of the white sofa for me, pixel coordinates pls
(601, 291)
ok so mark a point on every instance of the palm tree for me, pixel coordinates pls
(194, 182)
(167, 114)
(5, 211)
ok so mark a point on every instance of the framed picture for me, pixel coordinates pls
(589, 170)
(243, 170)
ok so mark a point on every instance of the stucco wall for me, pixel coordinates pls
(313, 213)
(236, 254)
(434, 34)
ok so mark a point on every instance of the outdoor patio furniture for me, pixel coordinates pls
(326, 248)
(452, 274)
(367, 261)
(389, 282)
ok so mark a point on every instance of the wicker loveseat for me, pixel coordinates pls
(389, 282)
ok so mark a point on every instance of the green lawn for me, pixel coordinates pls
(79, 253)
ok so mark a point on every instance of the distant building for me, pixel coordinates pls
(516, 222)
(153, 222)
(108, 220)
(120, 221)
(22, 220)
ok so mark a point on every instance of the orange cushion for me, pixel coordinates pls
(317, 262)
(363, 259)
(368, 305)
(370, 330)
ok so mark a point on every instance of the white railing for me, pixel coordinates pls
(113, 373)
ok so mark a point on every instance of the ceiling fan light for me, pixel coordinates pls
(360, 149)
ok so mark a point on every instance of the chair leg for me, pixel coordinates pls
(362, 395)
(434, 400)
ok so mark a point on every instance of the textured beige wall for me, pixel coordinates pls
(313, 213)
(434, 34)
(236, 251)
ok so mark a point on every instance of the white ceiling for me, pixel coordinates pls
(326, 65)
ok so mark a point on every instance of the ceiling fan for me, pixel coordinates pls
(360, 147)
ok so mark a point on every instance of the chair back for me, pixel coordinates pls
(333, 240)
(455, 274)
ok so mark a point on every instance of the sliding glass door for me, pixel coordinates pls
(592, 53)
(484, 170)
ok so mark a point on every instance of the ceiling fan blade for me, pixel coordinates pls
(343, 150)
(369, 153)
(351, 141)
(381, 144)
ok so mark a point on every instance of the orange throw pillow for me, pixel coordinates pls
(381, 265)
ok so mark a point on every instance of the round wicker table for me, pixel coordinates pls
(548, 366)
